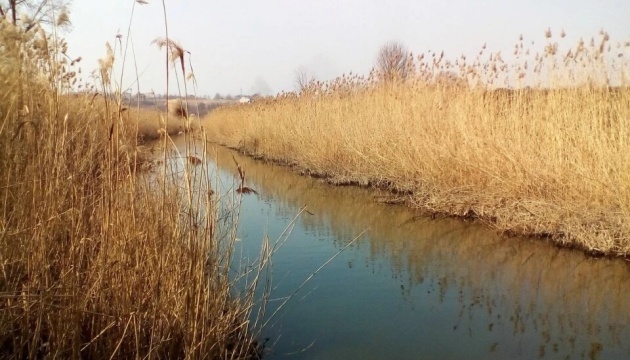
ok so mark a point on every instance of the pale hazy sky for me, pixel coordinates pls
(251, 45)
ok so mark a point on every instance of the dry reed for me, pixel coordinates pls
(94, 261)
(539, 145)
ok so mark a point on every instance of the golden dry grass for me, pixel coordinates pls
(150, 123)
(98, 259)
(144, 122)
(551, 157)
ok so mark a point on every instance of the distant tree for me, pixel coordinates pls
(393, 62)
(217, 96)
(302, 79)
(229, 97)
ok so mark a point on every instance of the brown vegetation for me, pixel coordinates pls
(98, 259)
(549, 157)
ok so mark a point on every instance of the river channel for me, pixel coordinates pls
(416, 288)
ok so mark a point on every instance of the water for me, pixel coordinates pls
(414, 288)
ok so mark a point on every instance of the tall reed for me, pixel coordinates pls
(94, 261)
(535, 144)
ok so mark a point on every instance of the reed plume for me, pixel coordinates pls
(535, 144)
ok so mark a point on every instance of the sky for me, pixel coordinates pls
(249, 46)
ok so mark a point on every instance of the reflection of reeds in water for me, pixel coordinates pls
(549, 156)
(194, 160)
(242, 189)
(522, 286)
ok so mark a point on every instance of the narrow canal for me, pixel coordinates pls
(415, 288)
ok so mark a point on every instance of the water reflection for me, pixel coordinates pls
(418, 288)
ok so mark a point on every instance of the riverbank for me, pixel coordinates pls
(549, 163)
(468, 280)
(99, 258)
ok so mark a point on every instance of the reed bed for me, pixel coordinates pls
(536, 144)
(98, 257)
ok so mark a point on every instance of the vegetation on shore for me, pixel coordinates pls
(97, 258)
(537, 145)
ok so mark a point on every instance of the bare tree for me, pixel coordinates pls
(36, 11)
(393, 61)
(302, 79)
(25, 15)
(12, 8)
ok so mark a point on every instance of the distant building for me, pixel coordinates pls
(244, 100)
